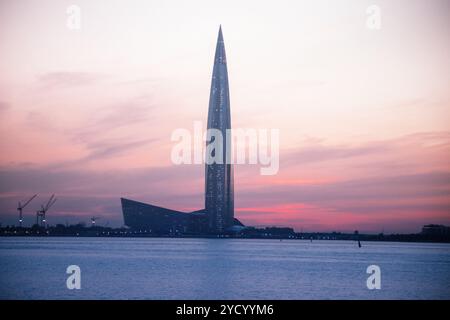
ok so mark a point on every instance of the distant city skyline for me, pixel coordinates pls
(363, 114)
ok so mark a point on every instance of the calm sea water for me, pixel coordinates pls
(156, 268)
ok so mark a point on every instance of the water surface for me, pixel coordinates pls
(162, 268)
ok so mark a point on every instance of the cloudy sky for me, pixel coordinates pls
(363, 114)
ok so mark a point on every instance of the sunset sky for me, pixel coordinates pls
(363, 114)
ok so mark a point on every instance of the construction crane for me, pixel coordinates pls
(21, 206)
(41, 213)
(93, 219)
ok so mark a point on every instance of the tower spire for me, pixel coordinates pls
(220, 37)
(220, 56)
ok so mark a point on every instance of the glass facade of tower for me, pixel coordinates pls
(219, 198)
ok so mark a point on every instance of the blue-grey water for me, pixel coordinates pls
(160, 268)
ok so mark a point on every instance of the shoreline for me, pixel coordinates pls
(393, 238)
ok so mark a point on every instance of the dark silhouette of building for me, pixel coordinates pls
(436, 230)
(142, 216)
(158, 220)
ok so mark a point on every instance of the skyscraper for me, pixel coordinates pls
(219, 198)
(218, 215)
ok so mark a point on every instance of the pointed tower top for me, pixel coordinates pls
(220, 57)
(220, 37)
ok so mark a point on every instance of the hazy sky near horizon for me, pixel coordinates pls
(363, 114)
